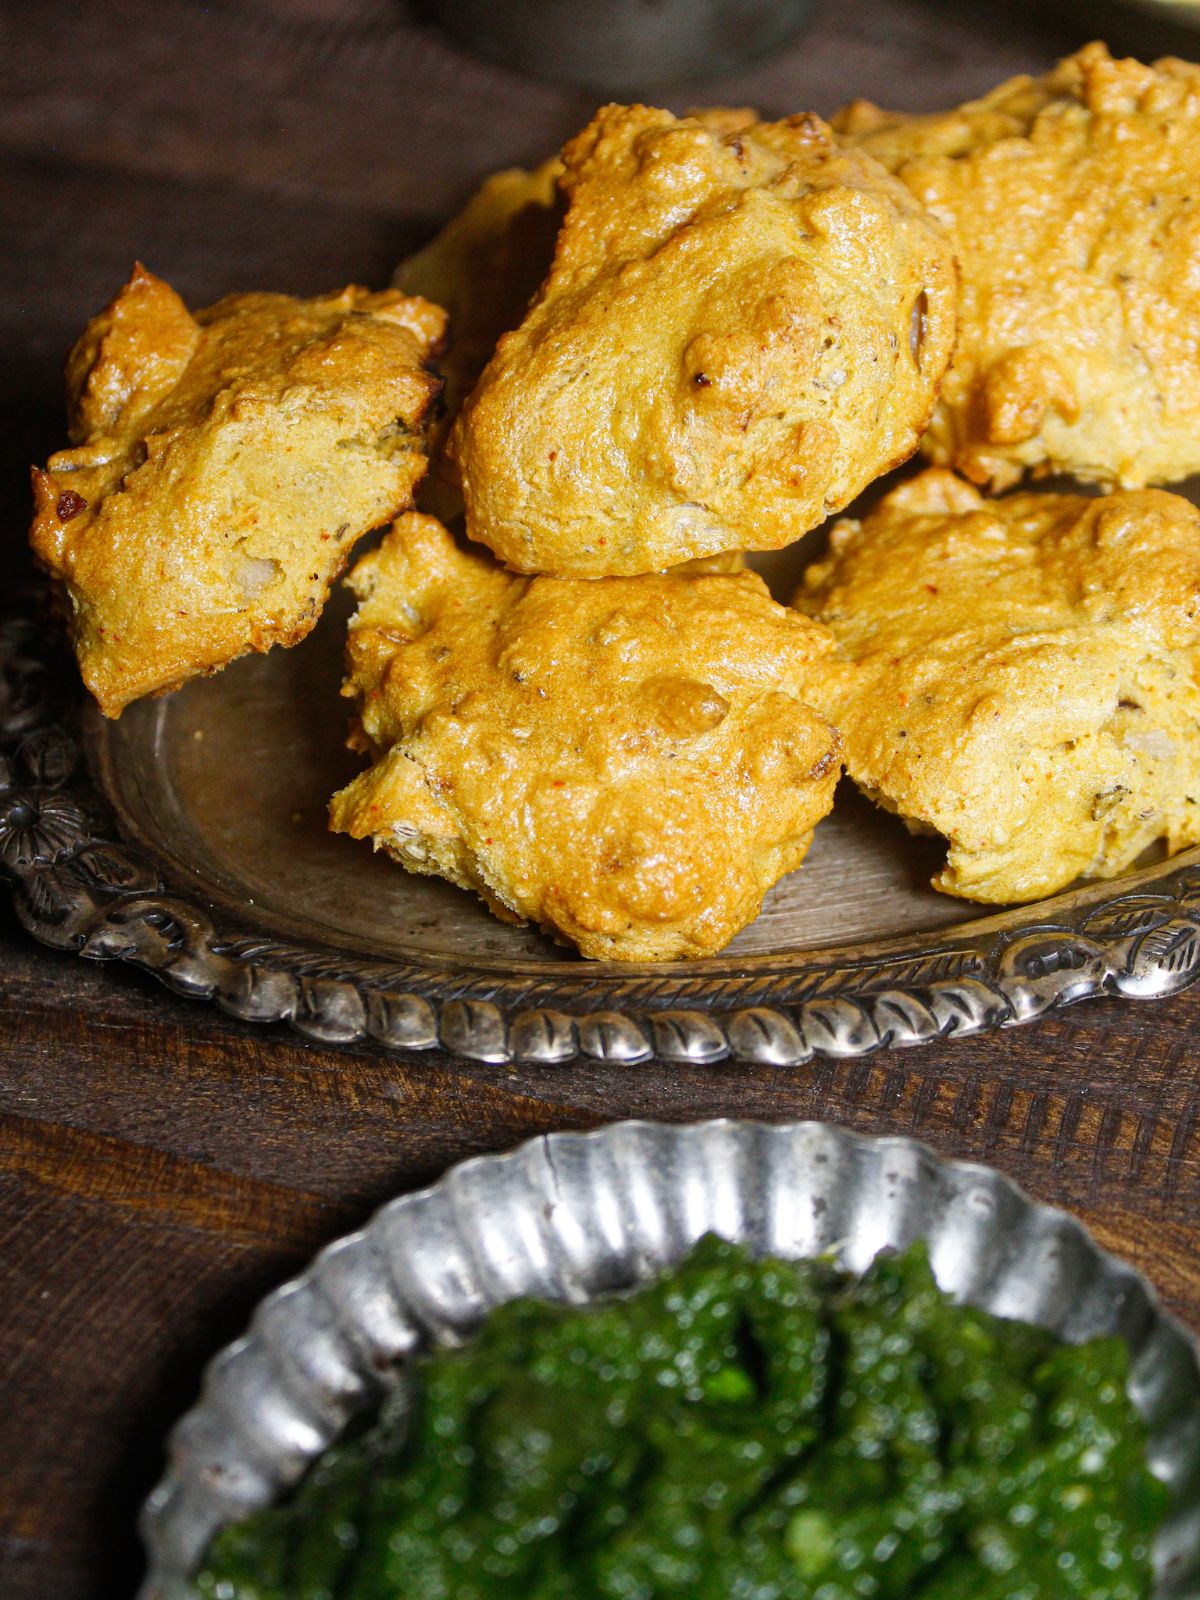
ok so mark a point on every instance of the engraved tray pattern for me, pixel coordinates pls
(79, 885)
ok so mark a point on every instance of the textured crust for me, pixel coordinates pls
(1019, 675)
(484, 267)
(740, 330)
(628, 763)
(225, 463)
(1072, 202)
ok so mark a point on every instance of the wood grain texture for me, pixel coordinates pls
(162, 1166)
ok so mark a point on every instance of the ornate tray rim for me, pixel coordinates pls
(77, 886)
(576, 1215)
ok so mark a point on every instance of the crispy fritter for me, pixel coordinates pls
(225, 464)
(1019, 675)
(739, 331)
(484, 267)
(1073, 202)
(630, 763)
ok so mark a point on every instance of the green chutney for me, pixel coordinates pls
(739, 1430)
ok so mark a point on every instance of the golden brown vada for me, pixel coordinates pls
(630, 763)
(224, 464)
(1073, 203)
(739, 331)
(1019, 675)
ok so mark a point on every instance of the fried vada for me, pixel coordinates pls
(1073, 203)
(629, 763)
(743, 325)
(223, 466)
(1019, 676)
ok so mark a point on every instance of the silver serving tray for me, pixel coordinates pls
(189, 838)
(573, 1216)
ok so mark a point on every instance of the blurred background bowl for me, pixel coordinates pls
(619, 46)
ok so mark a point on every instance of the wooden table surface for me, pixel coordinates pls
(161, 1166)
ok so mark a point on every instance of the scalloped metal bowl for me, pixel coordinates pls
(572, 1216)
